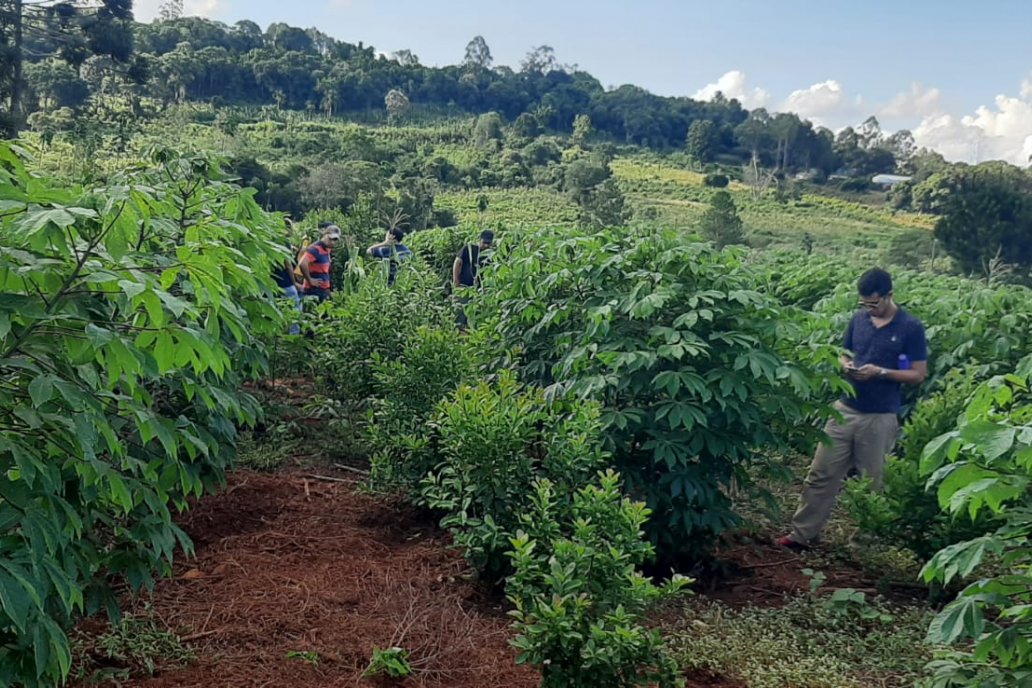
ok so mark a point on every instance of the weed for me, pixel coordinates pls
(392, 661)
(812, 641)
(135, 644)
(308, 656)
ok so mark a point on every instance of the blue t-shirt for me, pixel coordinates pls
(395, 254)
(882, 347)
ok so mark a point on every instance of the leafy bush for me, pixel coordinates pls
(127, 322)
(439, 246)
(911, 249)
(716, 181)
(407, 387)
(494, 439)
(577, 594)
(985, 466)
(374, 319)
(691, 365)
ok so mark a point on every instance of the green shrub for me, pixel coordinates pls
(373, 319)
(912, 248)
(690, 364)
(716, 181)
(407, 387)
(130, 314)
(578, 595)
(493, 440)
(985, 466)
(439, 246)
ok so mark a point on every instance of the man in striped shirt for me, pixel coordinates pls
(315, 263)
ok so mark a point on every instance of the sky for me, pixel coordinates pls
(957, 73)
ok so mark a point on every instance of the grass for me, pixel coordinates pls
(510, 206)
(808, 643)
(134, 645)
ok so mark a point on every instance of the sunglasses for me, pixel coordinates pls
(870, 304)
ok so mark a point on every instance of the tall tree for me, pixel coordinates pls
(986, 213)
(702, 140)
(170, 9)
(721, 223)
(477, 54)
(74, 29)
(540, 60)
(397, 104)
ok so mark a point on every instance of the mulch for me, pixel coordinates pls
(290, 564)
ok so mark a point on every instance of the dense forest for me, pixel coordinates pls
(179, 59)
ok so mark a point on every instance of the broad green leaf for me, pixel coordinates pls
(991, 439)
(960, 619)
(41, 389)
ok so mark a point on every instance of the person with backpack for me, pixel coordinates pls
(466, 271)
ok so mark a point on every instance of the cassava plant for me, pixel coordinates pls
(696, 372)
(128, 315)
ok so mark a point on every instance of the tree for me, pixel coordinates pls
(720, 222)
(74, 29)
(588, 182)
(756, 178)
(487, 129)
(786, 127)
(902, 146)
(477, 54)
(170, 9)
(702, 140)
(986, 213)
(397, 104)
(869, 133)
(56, 84)
(405, 58)
(540, 60)
(582, 130)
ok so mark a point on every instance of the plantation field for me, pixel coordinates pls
(580, 488)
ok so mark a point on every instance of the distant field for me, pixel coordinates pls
(676, 197)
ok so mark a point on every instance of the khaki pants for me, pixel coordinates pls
(861, 440)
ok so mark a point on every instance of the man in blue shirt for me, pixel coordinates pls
(888, 350)
(391, 249)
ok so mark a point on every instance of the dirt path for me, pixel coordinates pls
(286, 564)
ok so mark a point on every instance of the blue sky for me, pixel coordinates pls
(920, 64)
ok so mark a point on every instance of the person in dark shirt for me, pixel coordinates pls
(466, 270)
(391, 249)
(468, 261)
(888, 350)
(286, 279)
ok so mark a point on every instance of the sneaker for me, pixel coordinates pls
(787, 541)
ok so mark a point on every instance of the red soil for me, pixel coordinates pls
(285, 563)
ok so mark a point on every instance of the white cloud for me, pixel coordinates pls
(1000, 132)
(1026, 87)
(819, 99)
(917, 102)
(148, 10)
(733, 85)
